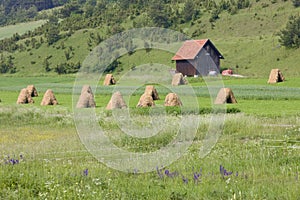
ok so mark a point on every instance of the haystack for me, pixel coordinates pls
(116, 102)
(109, 80)
(225, 95)
(24, 97)
(86, 99)
(49, 98)
(178, 79)
(172, 99)
(32, 91)
(275, 76)
(145, 101)
(150, 90)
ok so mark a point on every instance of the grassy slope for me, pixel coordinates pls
(247, 39)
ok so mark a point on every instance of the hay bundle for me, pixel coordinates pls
(49, 98)
(275, 76)
(150, 90)
(178, 79)
(116, 101)
(225, 95)
(109, 80)
(32, 91)
(172, 99)
(146, 101)
(24, 97)
(86, 99)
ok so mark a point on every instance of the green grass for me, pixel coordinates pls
(8, 31)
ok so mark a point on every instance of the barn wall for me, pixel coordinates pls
(185, 67)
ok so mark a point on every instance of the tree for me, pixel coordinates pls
(296, 3)
(188, 10)
(290, 36)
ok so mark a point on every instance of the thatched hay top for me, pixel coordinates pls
(275, 76)
(172, 99)
(32, 91)
(24, 97)
(49, 98)
(86, 99)
(146, 100)
(150, 90)
(178, 79)
(109, 80)
(225, 95)
(116, 102)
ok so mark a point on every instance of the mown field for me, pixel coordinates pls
(255, 157)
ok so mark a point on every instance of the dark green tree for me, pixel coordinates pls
(290, 36)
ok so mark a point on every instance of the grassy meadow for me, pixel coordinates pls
(256, 156)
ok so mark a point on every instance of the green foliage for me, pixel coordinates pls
(296, 3)
(290, 36)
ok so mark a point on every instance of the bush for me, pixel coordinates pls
(290, 36)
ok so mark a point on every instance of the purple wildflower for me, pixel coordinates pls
(185, 180)
(159, 172)
(85, 172)
(224, 172)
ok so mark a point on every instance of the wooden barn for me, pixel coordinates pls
(197, 57)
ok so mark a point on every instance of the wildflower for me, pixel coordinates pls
(185, 180)
(85, 172)
(159, 172)
(224, 172)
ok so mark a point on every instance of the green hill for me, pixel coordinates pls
(248, 39)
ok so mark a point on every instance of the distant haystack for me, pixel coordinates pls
(49, 98)
(24, 97)
(225, 95)
(178, 79)
(116, 102)
(150, 90)
(109, 80)
(146, 100)
(172, 99)
(86, 99)
(32, 91)
(275, 76)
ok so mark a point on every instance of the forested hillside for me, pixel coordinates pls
(251, 34)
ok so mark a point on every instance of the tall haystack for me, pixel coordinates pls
(86, 99)
(145, 101)
(275, 76)
(109, 80)
(172, 99)
(24, 97)
(49, 98)
(150, 90)
(116, 102)
(225, 95)
(178, 79)
(32, 91)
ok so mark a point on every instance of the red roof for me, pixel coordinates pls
(190, 49)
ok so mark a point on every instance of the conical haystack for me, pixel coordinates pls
(49, 98)
(150, 90)
(116, 102)
(24, 97)
(109, 80)
(172, 99)
(32, 91)
(178, 79)
(86, 99)
(146, 101)
(275, 76)
(225, 95)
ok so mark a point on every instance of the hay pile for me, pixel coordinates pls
(178, 79)
(225, 95)
(49, 98)
(116, 102)
(86, 99)
(109, 80)
(275, 76)
(172, 99)
(24, 97)
(32, 91)
(151, 91)
(146, 100)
